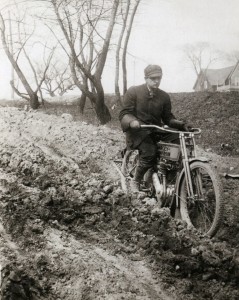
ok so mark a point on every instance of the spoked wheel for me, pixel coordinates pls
(204, 211)
(129, 165)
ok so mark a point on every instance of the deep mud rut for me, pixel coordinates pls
(85, 271)
(69, 232)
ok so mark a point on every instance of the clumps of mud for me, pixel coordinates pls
(17, 284)
(47, 186)
(69, 200)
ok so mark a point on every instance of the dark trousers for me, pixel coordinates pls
(148, 151)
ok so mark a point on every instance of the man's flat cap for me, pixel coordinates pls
(153, 71)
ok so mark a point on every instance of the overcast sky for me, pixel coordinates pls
(164, 26)
(161, 29)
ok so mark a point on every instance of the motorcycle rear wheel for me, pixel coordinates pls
(129, 163)
(205, 210)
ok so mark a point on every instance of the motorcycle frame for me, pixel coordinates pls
(186, 161)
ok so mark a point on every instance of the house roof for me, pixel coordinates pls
(218, 76)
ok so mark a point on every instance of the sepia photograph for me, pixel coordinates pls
(119, 150)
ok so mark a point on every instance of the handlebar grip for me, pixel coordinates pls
(231, 176)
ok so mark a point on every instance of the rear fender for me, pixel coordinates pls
(181, 176)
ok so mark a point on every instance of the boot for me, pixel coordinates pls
(134, 186)
(139, 174)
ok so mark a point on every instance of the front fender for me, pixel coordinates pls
(200, 158)
(181, 176)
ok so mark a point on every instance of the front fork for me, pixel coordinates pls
(185, 161)
(186, 170)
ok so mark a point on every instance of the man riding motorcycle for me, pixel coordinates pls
(147, 104)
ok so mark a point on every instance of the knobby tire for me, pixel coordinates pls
(206, 212)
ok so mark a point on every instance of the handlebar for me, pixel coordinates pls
(165, 129)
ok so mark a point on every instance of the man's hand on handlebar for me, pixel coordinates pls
(180, 125)
(187, 127)
(134, 124)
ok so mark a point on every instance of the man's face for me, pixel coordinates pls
(153, 82)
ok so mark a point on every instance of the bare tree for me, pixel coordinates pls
(21, 38)
(129, 29)
(31, 95)
(84, 30)
(233, 56)
(124, 13)
(201, 56)
(88, 46)
(58, 79)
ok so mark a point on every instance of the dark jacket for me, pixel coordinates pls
(139, 105)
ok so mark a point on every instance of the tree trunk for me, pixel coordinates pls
(83, 97)
(34, 101)
(105, 48)
(102, 111)
(117, 56)
(33, 98)
(97, 96)
(126, 46)
(82, 101)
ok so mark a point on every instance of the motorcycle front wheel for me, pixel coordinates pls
(204, 210)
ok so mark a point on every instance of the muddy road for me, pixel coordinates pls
(67, 230)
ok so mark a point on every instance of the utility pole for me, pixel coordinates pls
(11, 49)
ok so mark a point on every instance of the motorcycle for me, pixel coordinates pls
(186, 183)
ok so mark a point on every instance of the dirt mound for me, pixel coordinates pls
(69, 231)
(216, 114)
